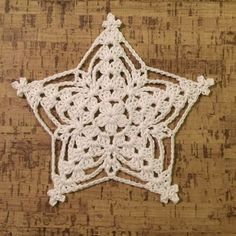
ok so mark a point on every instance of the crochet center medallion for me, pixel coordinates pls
(110, 121)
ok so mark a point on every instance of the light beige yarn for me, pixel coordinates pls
(111, 118)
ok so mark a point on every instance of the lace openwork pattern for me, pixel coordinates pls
(110, 120)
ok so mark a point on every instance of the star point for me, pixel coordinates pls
(111, 22)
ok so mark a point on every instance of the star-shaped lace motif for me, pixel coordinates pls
(109, 120)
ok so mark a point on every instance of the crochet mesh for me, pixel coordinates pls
(110, 121)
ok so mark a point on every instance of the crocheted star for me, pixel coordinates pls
(109, 122)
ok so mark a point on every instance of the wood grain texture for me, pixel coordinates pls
(43, 37)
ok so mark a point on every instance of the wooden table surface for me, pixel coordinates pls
(189, 38)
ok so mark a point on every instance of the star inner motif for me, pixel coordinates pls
(110, 121)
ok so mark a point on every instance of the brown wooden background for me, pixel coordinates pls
(42, 37)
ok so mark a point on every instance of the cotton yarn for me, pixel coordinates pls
(111, 118)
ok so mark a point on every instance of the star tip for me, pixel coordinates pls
(207, 81)
(210, 81)
(111, 21)
(109, 15)
(14, 84)
(19, 86)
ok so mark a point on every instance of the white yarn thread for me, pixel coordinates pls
(111, 118)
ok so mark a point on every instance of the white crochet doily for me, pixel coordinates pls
(110, 120)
